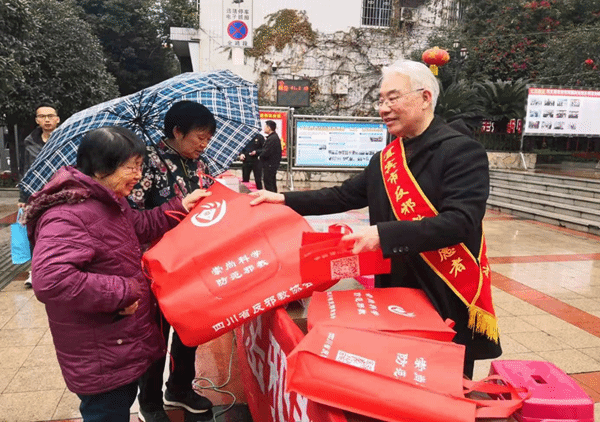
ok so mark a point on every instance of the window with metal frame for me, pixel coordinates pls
(376, 12)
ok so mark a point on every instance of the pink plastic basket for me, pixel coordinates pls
(555, 396)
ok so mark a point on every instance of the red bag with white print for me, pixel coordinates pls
(324, 256)
(398, 310)
(227, 262)
(392, 377)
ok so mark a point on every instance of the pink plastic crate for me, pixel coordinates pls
(555, 396)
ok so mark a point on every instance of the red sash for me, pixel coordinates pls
(468, 277)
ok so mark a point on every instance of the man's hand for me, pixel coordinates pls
(252, 153)
(366, 240)
(189, 201)
(267, 196)
(242, 157)
(130, 310)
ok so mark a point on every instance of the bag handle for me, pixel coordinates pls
(496, 408)
(176, 215)
(340, 228)
(20, 216)
(179, 215)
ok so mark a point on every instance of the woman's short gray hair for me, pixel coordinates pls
(418, 74)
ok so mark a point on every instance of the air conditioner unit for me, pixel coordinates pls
(409, 14)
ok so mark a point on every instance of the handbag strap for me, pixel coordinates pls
(505, 399)
(340, 228)
(176, 215)
(20, 216)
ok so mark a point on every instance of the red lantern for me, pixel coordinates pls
(435, 57)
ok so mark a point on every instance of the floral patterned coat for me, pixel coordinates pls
(166, 175)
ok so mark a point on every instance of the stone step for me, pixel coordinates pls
(554, 197)
(549, 186)
(553, 179)
(574, 223)
(591, 213)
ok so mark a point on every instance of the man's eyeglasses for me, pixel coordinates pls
(393, 99)
(46, 116)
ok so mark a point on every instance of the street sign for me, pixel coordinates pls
(237, 23)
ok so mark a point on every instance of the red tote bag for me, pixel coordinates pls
(391, 377)
(398, 310)
(324, 256)
(225, 263)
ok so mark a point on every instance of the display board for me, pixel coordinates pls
(337, 143)
(280, 118)
(562, 112)
(293, 92)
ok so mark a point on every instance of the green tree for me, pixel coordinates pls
(503, 100)
(62, 63)
(516, 39)
(16, 21)
(131, 35)
(461, 100)
(177, 13)
(563, 64)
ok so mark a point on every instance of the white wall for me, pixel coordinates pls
(324, 15)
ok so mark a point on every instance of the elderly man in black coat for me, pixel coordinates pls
(451, 169)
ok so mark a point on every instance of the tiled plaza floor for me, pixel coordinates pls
(546, 291)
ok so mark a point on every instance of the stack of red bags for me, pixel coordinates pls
(387, 354)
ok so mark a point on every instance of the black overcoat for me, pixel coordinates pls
(453, 172)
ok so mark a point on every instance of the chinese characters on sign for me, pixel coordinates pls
(237, 24)
(567, 112)
(338, 143)
(293, 92)
(281, 119)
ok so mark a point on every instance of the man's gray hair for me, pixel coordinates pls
(418, 74)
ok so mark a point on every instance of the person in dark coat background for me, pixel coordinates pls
(271, 156)
(250, 161)
(452, 171)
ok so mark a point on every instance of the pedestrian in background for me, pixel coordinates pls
(250, 161)
(47, 120)
(271, 156)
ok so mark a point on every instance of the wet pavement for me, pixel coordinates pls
(546, 290)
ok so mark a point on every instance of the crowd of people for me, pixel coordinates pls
(90, 225)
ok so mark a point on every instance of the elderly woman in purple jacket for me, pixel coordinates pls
(86, 269)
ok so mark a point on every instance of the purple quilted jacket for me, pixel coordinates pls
(86, 266)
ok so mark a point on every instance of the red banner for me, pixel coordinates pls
(280, 118)
(263, 346)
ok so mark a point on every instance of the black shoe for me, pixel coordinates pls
(189, 400)
(154, 416)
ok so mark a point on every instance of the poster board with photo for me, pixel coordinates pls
(562, 112)
(281, 120)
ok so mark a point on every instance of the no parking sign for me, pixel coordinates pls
(237, 23)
